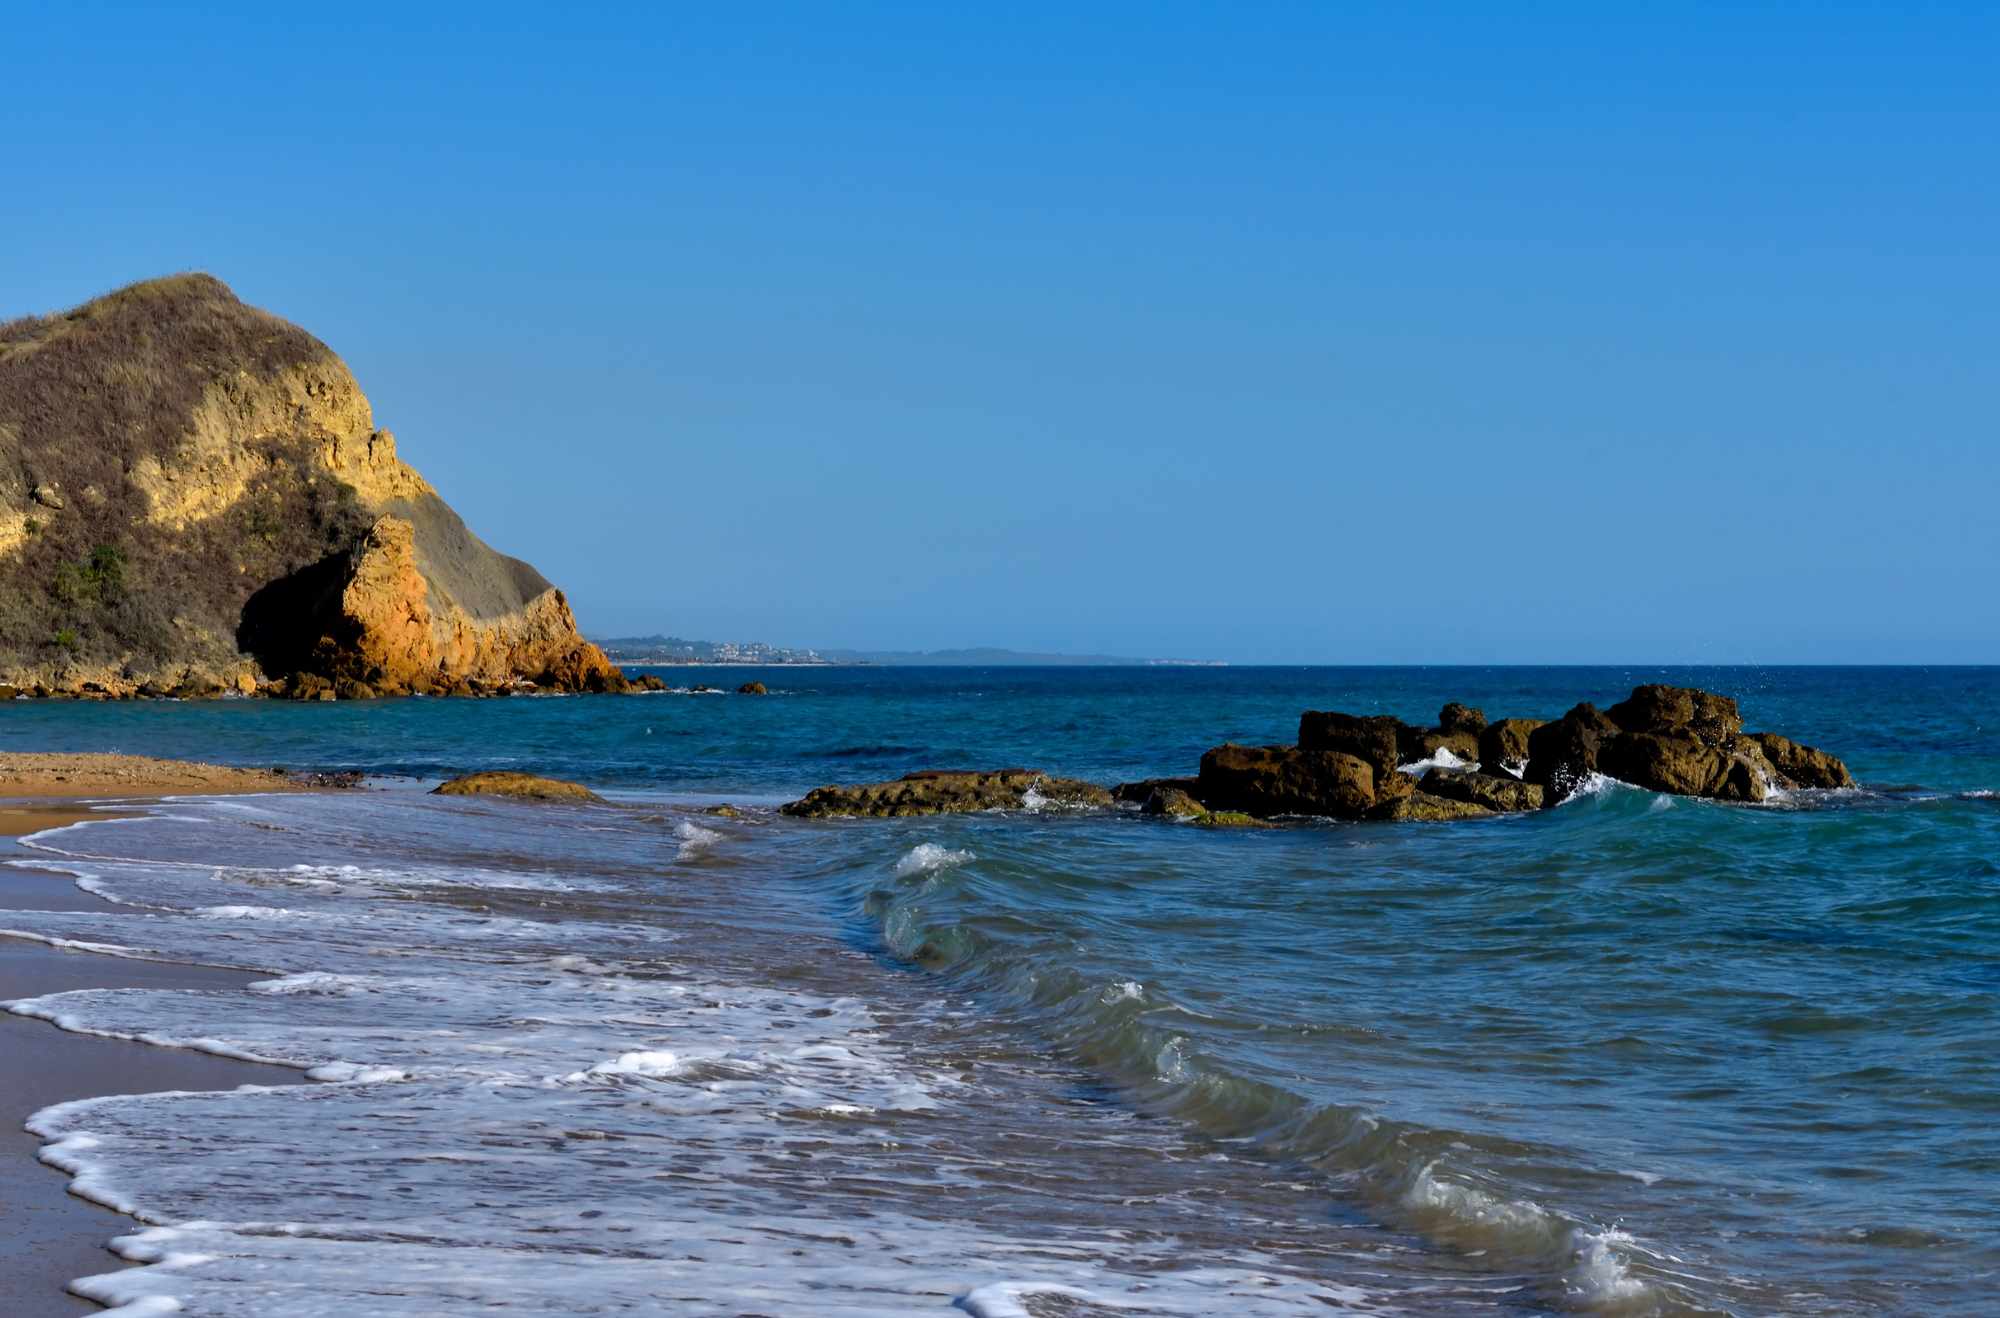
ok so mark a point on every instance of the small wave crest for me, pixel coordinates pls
(929, 858)
(1592, 1262)
(649, 1063)
(694, 839)
(1442, 759)
(866, 752)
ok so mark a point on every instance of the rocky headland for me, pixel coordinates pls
(1354, 766)
(195, 499)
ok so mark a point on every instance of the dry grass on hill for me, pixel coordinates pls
(89, 395)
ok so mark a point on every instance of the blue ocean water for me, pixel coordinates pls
(1634, 1054)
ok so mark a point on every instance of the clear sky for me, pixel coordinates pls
(1301, 332)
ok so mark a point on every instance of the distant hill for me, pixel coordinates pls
(992, 657)
(658, 649)
(679, 650)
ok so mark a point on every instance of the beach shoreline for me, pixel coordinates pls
(80, 776)
(50, 1236)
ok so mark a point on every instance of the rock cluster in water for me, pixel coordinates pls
(1372, 766)
(950, 791)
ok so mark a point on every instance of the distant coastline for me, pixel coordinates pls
(676, 651)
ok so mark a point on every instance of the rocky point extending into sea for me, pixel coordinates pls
(195, 500)
(1353, 766)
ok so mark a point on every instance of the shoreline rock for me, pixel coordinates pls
(949, 791)
(518, 786)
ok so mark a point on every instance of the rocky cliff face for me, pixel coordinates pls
(193, 494)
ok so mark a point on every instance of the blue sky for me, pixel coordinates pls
(1289, 333)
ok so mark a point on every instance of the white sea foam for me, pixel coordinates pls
(1130, 990)
(1599, 1274)
(1005, 1299)
(355, 1074)
(1443, 758)
(573, 1121)
(146, 1306)
(1593, 1262)
(694, 839)
(321, 984)
(654, 1063)
(1597, 784)
(929, 857)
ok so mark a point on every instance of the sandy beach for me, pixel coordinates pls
(47, 1236)
(74, 776)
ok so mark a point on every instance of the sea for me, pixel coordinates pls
(1636, 1054)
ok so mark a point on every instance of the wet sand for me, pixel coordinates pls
(48, 1237)
(65, 774)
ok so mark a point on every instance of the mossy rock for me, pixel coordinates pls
(1422, 806)
(1501, 792)
(1803, 765)
(950, 791)
(520, 786)
(1228, 819)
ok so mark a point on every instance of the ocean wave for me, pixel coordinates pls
(929, 858)
(694, 839)
(1404, 1170)
(245, 913)
(884, 751)
(1593, 1262)
(652, 1064)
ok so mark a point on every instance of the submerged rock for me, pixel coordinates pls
(1505, 744)
(1455, 717)
(522, 786)
(1137, 793)
(1173, 802)
(1374, 739)
(1417, 744)
(949, 791)
(1286, 780)
(1802, 766)
(753, 689)
(1682, 710)
(1494, 791)
(1676, 739)
(1682, 765)
(1563, 754)
(1421, 806)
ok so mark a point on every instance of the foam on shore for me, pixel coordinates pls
(535, 1099)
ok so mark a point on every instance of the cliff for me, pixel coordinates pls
(194, 494)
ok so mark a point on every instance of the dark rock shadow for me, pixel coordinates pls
(284, 622)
